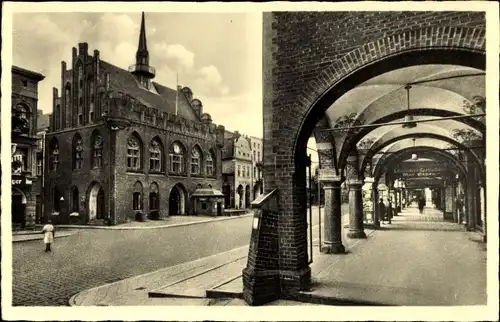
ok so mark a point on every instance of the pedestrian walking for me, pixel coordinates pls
(421, 205)
(49, 232)
(381, 210)
(389, 211)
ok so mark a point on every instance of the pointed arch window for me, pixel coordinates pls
(54, 155)
(97, 152)
(137, 203)
(77, 153)
(210, 164)
(195, 161)
(155, 156)
(75, 200)
(134, 153)
(176, 158)
(67, 94)
(154, 199)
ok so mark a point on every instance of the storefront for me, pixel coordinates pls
(23, 203)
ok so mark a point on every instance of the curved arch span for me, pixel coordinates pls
(365, 71)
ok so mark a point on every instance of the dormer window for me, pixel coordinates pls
(25, 83)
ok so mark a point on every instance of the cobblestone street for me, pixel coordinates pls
(94, 257)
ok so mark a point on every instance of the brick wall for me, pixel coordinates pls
(66, 178)
(123, 181)
(309, 60)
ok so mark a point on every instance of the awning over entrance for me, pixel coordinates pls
(207, 192)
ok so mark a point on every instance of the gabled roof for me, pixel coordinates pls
(122, 80)
(28, 73)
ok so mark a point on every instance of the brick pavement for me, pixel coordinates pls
(96, 257)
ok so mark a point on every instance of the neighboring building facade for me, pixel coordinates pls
(24, 147)
(257, 165)
(43, 126)
(122, 147)
(241, 170)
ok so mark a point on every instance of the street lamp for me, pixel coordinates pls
(409, 122)
(414, 156)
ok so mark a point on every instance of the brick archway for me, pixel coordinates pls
(464, 47)
(295, 100)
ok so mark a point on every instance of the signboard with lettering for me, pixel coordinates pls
(421, 169)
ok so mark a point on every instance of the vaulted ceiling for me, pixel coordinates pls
(436, 91)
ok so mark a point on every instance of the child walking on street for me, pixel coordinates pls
(49, 233)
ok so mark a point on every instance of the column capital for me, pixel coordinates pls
(329, 176)
(354, 182)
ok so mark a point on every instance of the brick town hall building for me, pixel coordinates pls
(122, 147)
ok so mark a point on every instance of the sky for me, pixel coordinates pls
(217, 55)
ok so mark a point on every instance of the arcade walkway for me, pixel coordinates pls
(418, 259)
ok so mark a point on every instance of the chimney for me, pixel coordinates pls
(74, 53)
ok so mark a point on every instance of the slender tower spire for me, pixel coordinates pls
(142, 55)
(141, 69)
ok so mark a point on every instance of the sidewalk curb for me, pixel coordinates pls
(154, 227)
(28, 240)
(72, 298)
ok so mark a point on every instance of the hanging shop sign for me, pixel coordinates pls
(21, 181)
(421, 169)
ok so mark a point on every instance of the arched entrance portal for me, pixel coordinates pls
(247, 197)
(18, 207)
(291, 120)
(239, 197)
(177, 201)
(96, 202)
(226, 190)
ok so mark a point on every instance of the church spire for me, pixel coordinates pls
(141, 69)
(142, 48)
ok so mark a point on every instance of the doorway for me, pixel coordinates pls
(176, 201)
(18, 207)
(96, 203)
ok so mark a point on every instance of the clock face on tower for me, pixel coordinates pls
(177, 149)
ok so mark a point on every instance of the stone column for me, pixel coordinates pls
(375, 194)
(403, 196)
(332, 243)
(355, 183)
(454, 209)
(400, 199)
(471, 197)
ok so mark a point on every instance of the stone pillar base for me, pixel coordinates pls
(292, 282)
(356, 234)
(336, 248)
(260, 287)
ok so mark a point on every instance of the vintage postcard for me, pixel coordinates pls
(250, 161)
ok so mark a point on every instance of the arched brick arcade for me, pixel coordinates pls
(312, 61)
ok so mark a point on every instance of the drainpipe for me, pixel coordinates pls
(43, 176)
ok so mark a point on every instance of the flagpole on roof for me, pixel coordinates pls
(177, 93)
